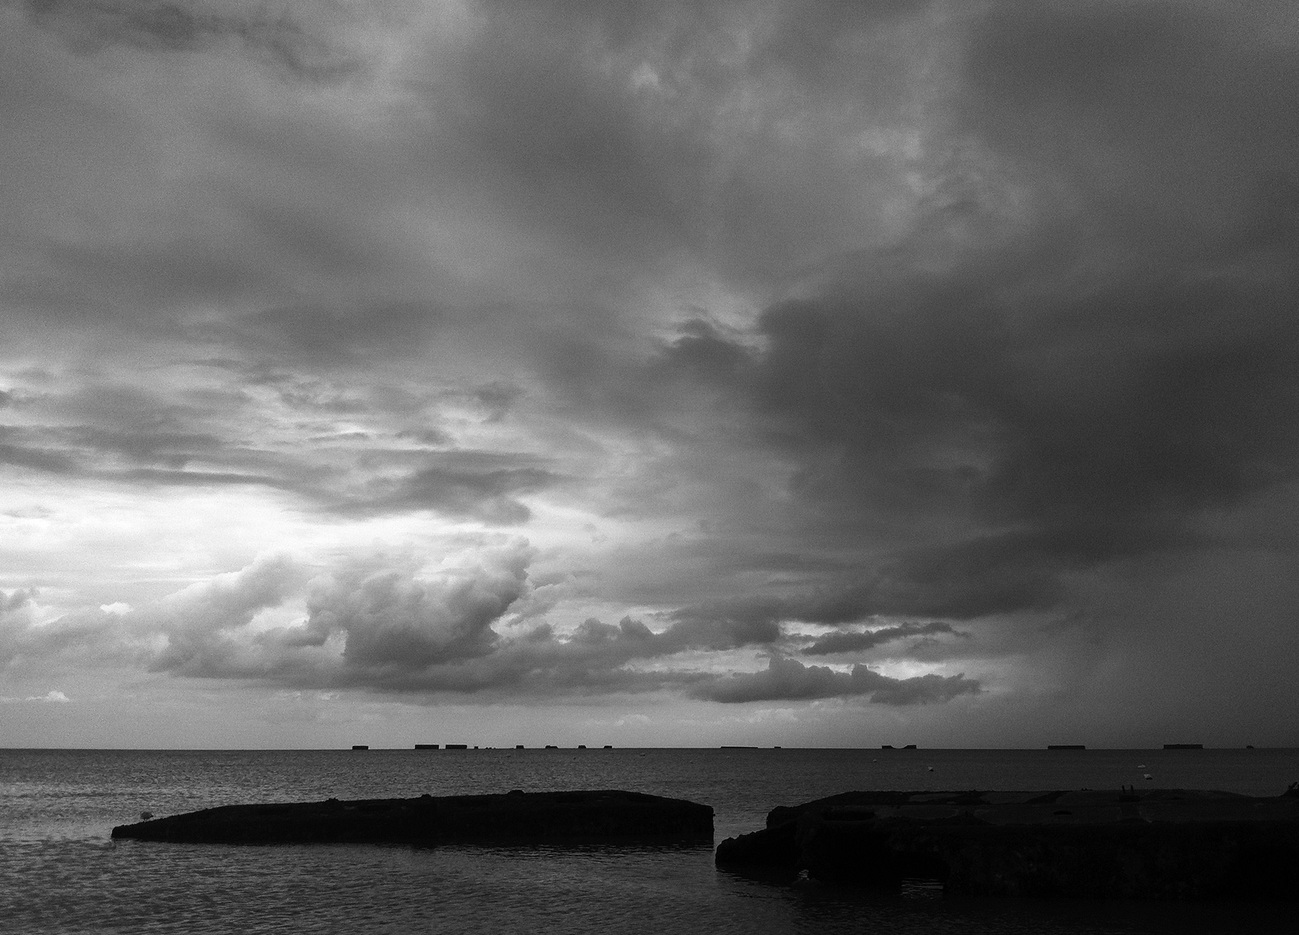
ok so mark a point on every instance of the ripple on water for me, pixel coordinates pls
(59, 872)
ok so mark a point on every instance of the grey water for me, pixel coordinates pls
(60, 872)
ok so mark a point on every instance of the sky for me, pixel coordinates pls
(651, 373)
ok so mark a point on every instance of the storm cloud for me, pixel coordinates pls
(853, 641)
(382, 624)
(398, 350)
(791, 680)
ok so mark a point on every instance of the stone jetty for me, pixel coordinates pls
(599, 817)
(1127, 843)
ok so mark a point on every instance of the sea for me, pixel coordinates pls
(60, 871)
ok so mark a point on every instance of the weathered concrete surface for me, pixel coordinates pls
(514, 817)
(1151, 843)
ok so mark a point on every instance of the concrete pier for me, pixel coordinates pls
(1152, 843)
(598, 817)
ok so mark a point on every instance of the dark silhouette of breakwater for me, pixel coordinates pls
(600, 817)
(1154, 843)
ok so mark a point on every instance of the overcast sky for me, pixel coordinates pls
(655, 373)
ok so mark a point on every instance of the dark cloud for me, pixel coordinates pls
(325, 337)
(294, 48)
(595, 647)
(1000, 573)
(175, 449)
(1093, 437)
(790, 680)
(727, 624)
(702, 354)
(36, 458)
(625, 136)
(1057, 413)
(498, 397)
(1024, 390)
(432, 437)
(181, 478)
(957, 580)
(462, 484)
(1166, 120)
(858, 640)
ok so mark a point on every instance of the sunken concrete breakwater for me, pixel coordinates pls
(1152, 843)
(587, 817)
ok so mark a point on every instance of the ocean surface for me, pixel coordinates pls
(60, 871)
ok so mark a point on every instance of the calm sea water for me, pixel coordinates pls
(60, 871)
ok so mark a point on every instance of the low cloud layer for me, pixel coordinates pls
(790, 680)
(383, 624)
(856, 640)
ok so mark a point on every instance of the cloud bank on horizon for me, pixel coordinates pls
(923, 366)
